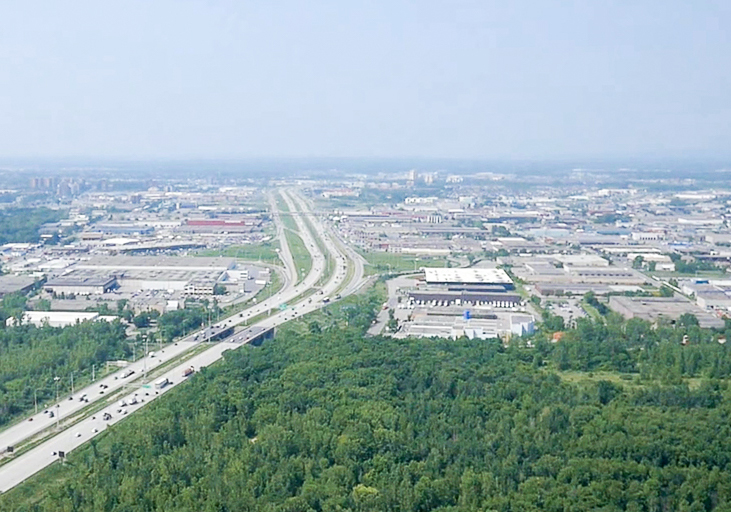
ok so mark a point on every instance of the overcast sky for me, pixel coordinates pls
(421, 78)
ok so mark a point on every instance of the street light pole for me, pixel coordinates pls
(144, 377)
(35, 399)
(58, 405)
(72, 383)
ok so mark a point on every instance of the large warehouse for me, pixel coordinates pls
(79, 283)
(156, 272)
(472, 276)
(59, 318)
(466, 286)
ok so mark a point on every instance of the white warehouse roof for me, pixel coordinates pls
(58, 318)
(467, 275)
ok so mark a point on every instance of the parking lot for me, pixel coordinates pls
(569, 309)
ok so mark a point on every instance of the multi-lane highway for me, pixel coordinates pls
(356, 260)
(305, 297)
(99, 390)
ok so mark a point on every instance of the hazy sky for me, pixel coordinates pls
(472, 79)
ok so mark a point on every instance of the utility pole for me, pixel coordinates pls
(93, 368)
(144, 377)
(72, 383)
(58, 406)
(35, 400)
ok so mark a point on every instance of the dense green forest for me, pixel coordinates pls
(616, 416)
(21, 224)
(31, 357)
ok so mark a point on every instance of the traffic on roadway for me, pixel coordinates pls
(40, 456)
(56, 413)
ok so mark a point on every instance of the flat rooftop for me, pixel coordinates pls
(157, 263)
(11, 284)
(467, 275)
(87, 276)
(653, 308)
(78, 279)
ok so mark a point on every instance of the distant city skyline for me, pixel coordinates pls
(465, 80)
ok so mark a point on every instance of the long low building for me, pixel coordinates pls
(157, 263)
(59, 318)
(581, 288)
(80, 284)
(544, 272)
(15, 284)
(133, 273)
(483, 276)
(464, 297)
(654, 309)
(485, 327)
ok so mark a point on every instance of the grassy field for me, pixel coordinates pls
(289, 223)
(266, 252)
(379, 262)
(272, 287)
(592, 311)
(625, 379)
(334, 315)
(631, 380)
(300, 254)
(329, 260)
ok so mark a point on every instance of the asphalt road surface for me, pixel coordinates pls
(35, 459)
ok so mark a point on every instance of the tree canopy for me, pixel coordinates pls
(22, 224)
(322, 419)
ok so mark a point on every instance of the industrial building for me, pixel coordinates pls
(227, 225)
(15, 284)
(495, 298)
(200, 287)
(653, 309)
(452, 303)
(80, 283)
(577, 274)
(486, 326)
(159, 272)
(59, 318)
(476, 276)
(465, 287)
